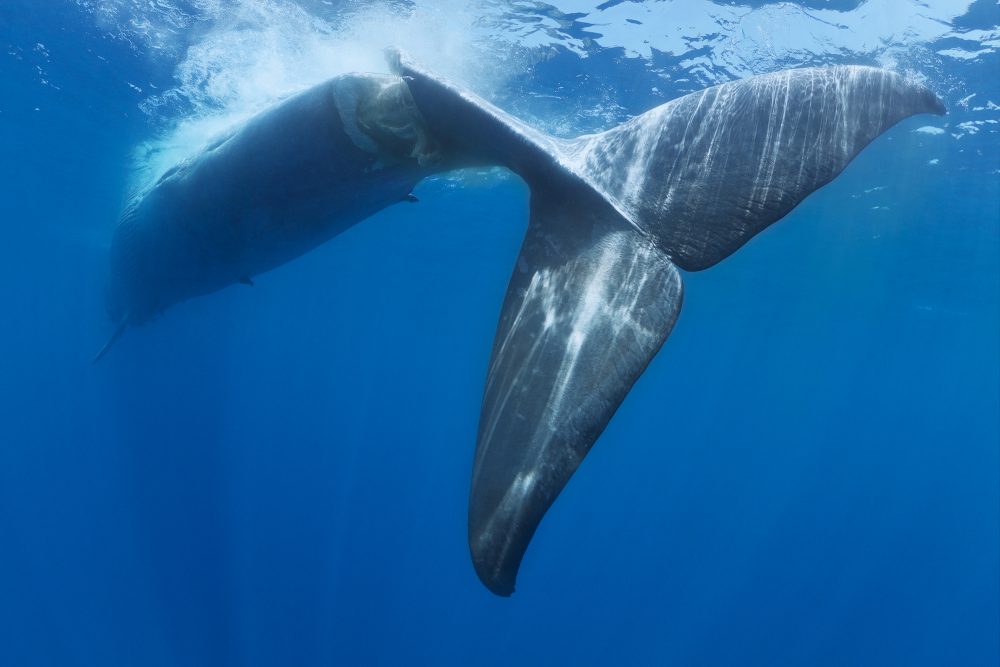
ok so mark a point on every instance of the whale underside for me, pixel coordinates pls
(595, 290)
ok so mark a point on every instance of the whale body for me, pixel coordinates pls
(595, 290)
(286, 181)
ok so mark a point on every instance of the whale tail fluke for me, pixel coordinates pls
(119, 330)
(590, 302)
(708, 171)
(595, 290)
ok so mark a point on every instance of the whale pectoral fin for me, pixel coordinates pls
(119, 330)
(590, 302)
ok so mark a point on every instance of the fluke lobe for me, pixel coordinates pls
(596, 288)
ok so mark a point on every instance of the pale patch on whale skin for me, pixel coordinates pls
(595, 290)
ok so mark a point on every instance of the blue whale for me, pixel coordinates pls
(596, 289)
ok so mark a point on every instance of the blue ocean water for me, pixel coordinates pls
(807, 474)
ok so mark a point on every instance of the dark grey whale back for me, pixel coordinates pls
(283, 182)
(595, 290)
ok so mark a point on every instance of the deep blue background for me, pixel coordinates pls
(806, 474)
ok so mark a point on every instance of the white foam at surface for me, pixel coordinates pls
(750, 41)
(231, 58)
(964, 102)
(929, 129)
(962, 54)
(246, 54)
